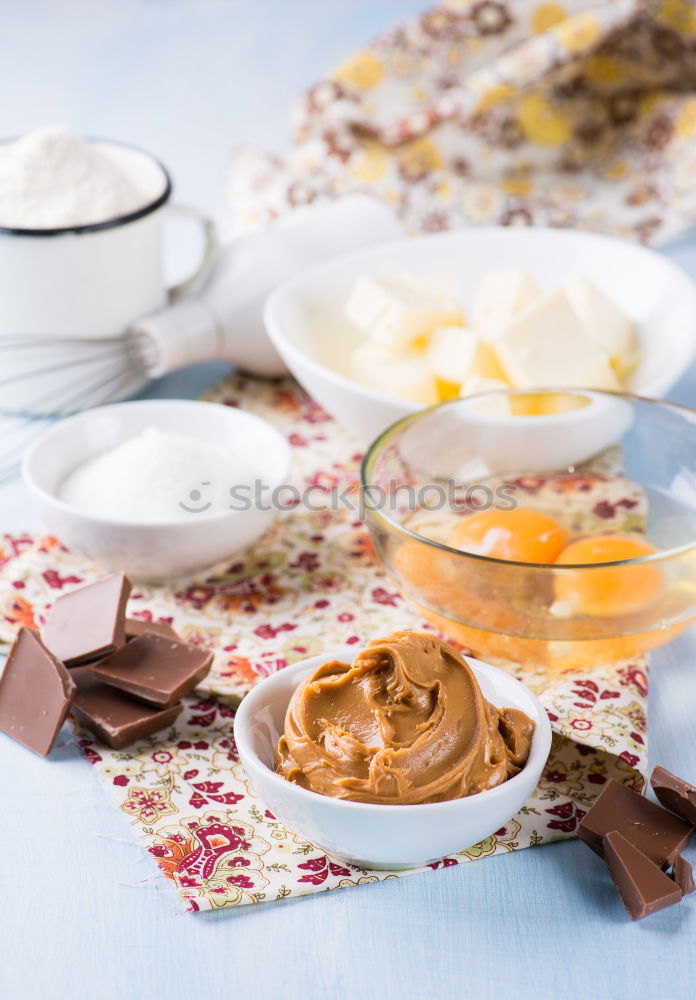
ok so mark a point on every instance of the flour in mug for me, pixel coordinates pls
(53, 179)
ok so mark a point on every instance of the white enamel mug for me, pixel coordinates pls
(89, 281)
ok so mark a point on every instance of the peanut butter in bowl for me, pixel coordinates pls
(405, 723)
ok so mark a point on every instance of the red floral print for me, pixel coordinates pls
(319, 870)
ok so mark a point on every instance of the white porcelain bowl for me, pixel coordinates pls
(382, 836)
(153, 551)
(304, 316)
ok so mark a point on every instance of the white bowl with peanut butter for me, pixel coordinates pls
(394, 755)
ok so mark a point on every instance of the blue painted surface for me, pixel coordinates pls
(82, 911)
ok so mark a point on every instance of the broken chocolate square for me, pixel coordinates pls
(114, 717)
(87, 623)
(650, 828)
(154, 668)
(35, 693)
(136, 627)
(643, 886)
(683, 875)
(675, 793)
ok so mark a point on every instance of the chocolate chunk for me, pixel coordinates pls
(649, 827)
(643, 886)
(136, 627)
(675, 793)
(115, 718)
(155, 669)
(86, 623)
(35, 693)
(683, 875)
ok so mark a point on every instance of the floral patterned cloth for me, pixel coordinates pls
(310, 583)
(502, 112)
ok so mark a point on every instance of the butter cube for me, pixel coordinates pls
(454, 354)
(405, 378)
(547, 345)
(441, 286)
(396, 313)
(604, 322)
(501, 295)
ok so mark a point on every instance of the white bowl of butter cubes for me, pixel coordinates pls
(378, 334)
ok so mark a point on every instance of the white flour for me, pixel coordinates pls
(157, 477)
(51, 178)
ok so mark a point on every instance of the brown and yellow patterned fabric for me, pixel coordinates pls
(512, 112)
(312, 583)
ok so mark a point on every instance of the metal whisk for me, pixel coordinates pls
(43, 378)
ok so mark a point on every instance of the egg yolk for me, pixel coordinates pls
(521, 535)
(609, 590)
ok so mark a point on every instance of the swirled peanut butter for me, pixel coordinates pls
(405, 723)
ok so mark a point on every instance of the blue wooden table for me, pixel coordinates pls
(83, 912)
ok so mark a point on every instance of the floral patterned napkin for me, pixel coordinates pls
(501, 112)
(310, 583)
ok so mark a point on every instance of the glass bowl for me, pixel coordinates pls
(599, 463)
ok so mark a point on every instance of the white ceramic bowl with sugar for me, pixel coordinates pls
(383, 836)
(165, 549)
(304, 316)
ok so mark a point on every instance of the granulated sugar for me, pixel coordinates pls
(52, 179)
(157, 477)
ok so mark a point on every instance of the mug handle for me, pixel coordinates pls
(183, 288)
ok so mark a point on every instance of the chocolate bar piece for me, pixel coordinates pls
(136, 627)
(643, 886)
(87, 623)
(675, 793)
(683, 875)
(115, 718)
(650, 828)
(155, 669)
(35, 693)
